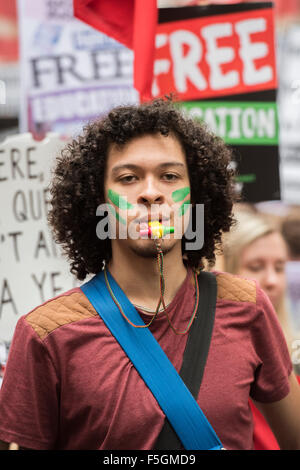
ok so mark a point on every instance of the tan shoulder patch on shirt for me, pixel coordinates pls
(234, 288)
(65, 309)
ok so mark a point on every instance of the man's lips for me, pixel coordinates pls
(147, 219)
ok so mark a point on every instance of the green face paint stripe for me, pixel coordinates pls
(183, 208)
(249, 178)
(115, 213)
(180, 194)
(118, 200)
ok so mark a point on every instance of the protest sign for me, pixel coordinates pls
(70, 73)
(289, 117)
(217, 51)
(32, 269)
(219, 60)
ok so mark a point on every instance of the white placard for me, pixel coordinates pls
(289, 112)
(32, 269)
(70, 73)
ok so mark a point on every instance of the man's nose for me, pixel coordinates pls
(151, 194)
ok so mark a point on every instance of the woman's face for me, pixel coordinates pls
(264, 260)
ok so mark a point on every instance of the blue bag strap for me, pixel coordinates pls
(159, 374)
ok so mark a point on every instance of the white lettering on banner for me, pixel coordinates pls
(221, 114)
(234, 116)
(186, 52)
(211, 120)
(186, 66)
(249, 122)
(266, 122)
(217, 56)
(237, 123)
(90, 39)
(249, 52)
(79, 104)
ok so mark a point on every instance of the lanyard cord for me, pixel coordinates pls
(161, 299)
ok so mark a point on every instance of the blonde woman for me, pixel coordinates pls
(256, 249)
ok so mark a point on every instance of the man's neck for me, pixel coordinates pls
(139, 276)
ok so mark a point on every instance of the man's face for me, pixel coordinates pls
(147, 180)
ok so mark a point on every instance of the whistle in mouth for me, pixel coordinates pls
(156, 230)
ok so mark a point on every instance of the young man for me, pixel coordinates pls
(68, 383)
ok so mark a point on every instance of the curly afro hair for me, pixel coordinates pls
(77, 186)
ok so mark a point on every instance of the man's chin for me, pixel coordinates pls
(147, 248)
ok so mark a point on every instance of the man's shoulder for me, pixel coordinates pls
(69, 307)
(232, 287)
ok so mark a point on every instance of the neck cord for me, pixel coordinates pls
(144, 309)
(161, 299)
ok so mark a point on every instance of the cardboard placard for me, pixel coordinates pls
(32, 268)
(70, 73)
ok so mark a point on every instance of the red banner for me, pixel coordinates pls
(8, 31)
(216, 55)
(130, 22)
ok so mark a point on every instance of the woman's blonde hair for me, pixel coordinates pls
(250, 226)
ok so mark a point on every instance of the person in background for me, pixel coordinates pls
(255, 248)
(291, 232)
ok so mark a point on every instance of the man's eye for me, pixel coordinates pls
(170, 176)
(127, 179)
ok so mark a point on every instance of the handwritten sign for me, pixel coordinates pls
(70, 73)
(32, 269)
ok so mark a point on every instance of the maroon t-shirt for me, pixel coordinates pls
(69, 385)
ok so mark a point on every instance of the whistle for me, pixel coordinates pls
(156, 230)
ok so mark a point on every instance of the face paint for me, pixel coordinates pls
(115, 213)
(180, 194)
(118, 200)
(183, 208)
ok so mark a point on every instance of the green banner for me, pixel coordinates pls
(238, 123)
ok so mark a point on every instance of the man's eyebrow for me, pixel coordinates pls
(131, 166)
